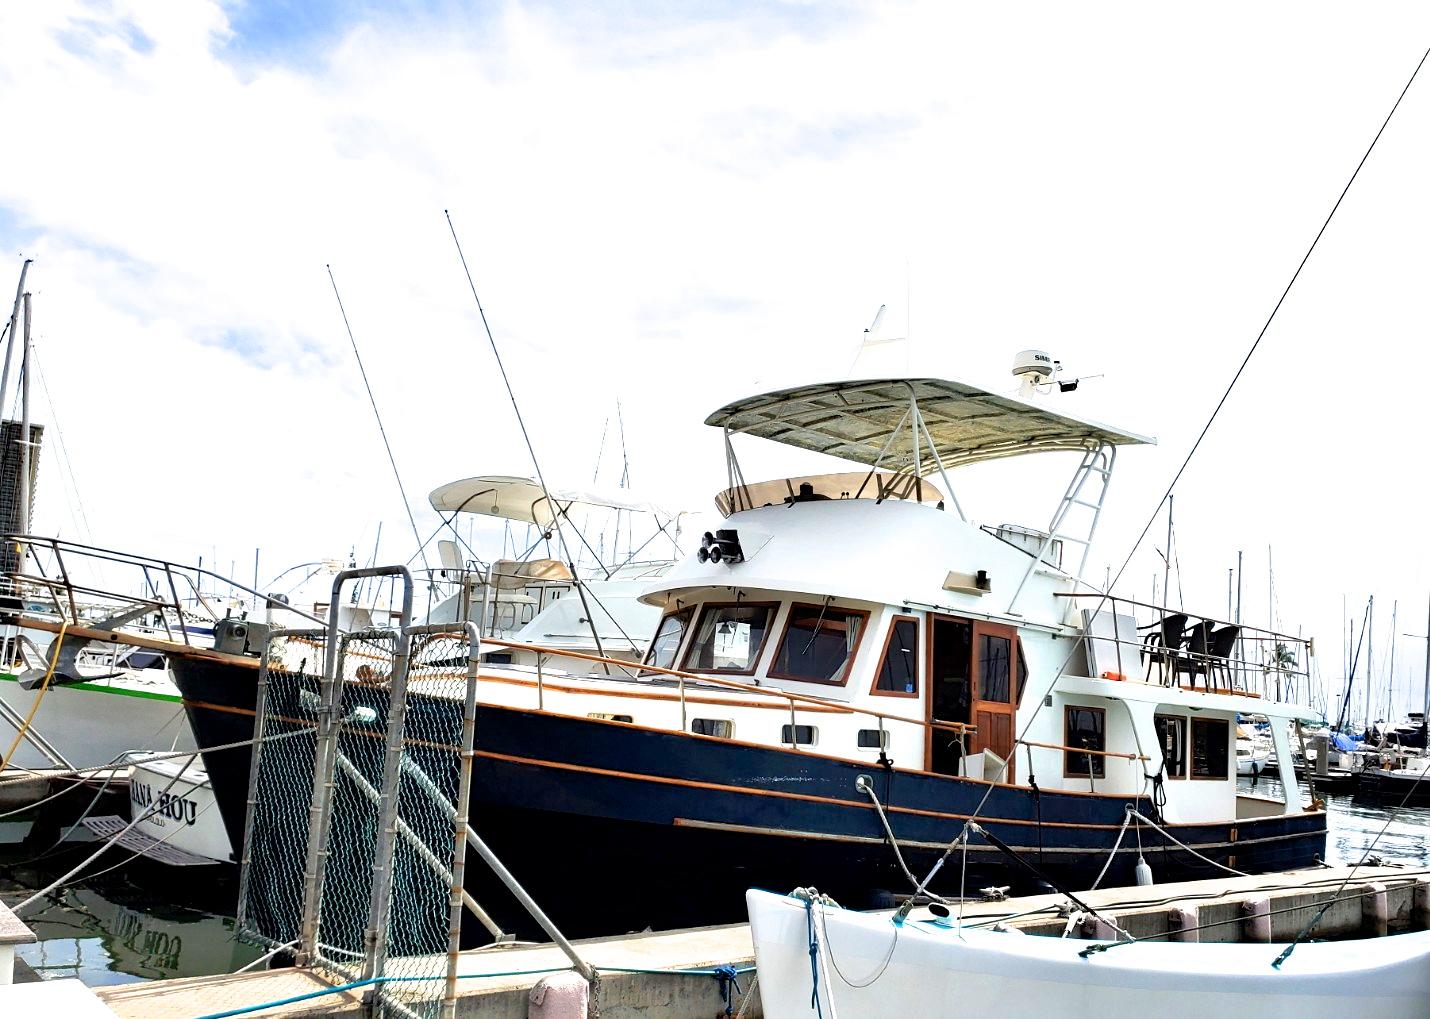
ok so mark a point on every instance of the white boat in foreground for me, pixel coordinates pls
(868, 967)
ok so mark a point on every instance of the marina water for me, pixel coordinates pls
(146, 922)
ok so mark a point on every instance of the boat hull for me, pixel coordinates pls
(1389, 789)
(869, 969)
(695, 821)
(94, 724)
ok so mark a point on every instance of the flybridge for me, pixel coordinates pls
(917, 427)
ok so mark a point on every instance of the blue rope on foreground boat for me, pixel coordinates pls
(726, 974)
(813, 957)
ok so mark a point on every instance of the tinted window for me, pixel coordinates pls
(1211, 747)
(818, 643)
(899, 671)
(728, 638)
(797, 734)
(994, 663)
(1022, 672)
(1172, 738)
(667, 639)
(1085, 730)
(873, 739)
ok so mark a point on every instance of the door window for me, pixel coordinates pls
(1172, 738)
(995, 662)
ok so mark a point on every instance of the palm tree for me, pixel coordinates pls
(1282, 661)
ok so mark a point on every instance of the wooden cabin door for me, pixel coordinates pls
(995, 667)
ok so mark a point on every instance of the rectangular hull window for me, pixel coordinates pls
(818, 644)
(1086, 730)
(797, 735)
(1211, 748)
(722, 727)
(873, 739)
(729, 638)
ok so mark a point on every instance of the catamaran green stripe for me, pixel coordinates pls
(6, 677)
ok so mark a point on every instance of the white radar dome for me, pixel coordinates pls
(1037, 363)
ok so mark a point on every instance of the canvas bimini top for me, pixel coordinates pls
(866, 422)
(522, 499)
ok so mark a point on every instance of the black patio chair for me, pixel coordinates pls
(1223, 642)
(1164, 643)
(1197, 661)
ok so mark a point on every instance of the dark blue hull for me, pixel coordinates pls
(615, 827)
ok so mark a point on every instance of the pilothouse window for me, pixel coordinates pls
(819, 643)
(899, 671)
(729, 638)
(667, 639)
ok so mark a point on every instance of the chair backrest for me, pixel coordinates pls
(1224, 640)
(1199, 638)
(1174, 629)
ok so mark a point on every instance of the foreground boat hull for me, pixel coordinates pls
(867, 968)
(694, 821)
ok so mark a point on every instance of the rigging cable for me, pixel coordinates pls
(555, 511)
(406, 505)
(1067, 660)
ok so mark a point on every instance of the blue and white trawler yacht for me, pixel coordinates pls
(850, 649)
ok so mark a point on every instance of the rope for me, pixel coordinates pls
(878, 970)
(1126, 820)
(35, 704)
(1077, 644)
(377, 981)
(1132, 812)
(1311, 924)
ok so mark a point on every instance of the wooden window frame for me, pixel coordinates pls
(1099, 754)
(848, 669)
(774, 608)
(884, 655)
(1186, 721)
(680, 644)
(1230, 775)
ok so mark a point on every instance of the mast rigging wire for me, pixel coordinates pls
(525, 435)
(1200, 436)
(406, 505)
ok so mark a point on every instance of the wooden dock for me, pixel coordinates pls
(1268, 907)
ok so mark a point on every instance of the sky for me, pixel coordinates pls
(681, 204)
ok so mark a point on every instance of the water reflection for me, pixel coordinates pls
(123, 927)
(1354, 826)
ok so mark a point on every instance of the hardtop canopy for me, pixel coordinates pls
(865, 422)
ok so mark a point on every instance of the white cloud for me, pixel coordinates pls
(680, 212)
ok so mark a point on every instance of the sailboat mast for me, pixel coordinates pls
(1425, 718)
(25, 425)
(1369, 657)
(1390, 677)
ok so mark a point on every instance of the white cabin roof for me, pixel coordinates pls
(521, 499)
(854, 420)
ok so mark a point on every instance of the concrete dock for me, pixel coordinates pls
(1271, 907)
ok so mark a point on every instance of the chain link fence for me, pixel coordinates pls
(356, 819)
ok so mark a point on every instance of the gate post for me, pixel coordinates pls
(375, 947)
